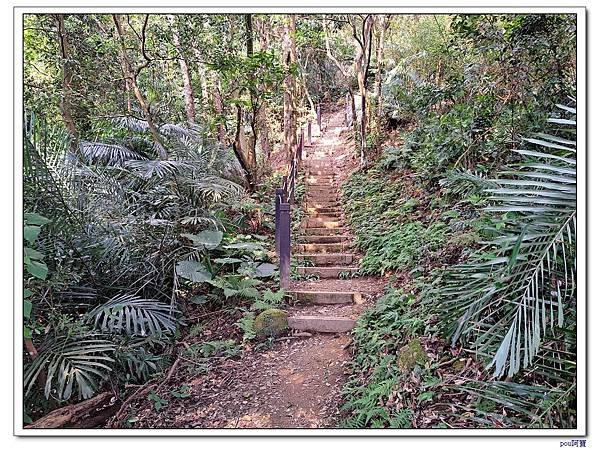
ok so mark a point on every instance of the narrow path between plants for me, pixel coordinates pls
(297, 383)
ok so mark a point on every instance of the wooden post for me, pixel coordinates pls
(284, 245)
(310, 132)
(279, 192)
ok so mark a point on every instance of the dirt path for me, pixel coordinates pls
(298, 382)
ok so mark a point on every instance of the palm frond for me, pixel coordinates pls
(131, 123)
(133, 316)
(506, 299)
(157, 168)
(103, 153)
(215, 189)
(529, 405)
(69, 363)
(464, 182)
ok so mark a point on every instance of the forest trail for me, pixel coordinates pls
(297, 383)
(324, 246)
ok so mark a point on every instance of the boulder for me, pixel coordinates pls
(411, 355)
(271, 322)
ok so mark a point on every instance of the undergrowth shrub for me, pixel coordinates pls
(389, 227)
(372, 388)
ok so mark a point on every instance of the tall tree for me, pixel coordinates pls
(289, 86)
(130, 73)
(363, 35)
(66, 102)
(382, 25)
(188, 92)
(263, 123)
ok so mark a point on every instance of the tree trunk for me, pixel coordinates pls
(251, 150)
(263, 123)
(240, 151)
(89, 413)
(130, 75)
(362, 61)
(202, 78)
(383, 22)
(188, 92)
(218, 101)
(289, 108)
(353, 107)
(66, 104)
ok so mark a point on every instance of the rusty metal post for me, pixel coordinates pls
(284, 245)
(279, 193)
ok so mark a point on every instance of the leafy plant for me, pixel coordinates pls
(77, 363)
(157, 401)
(133, 316)
(522, 284)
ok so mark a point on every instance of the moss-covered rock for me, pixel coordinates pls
(410, 355)
(458, 365)
(271, 322)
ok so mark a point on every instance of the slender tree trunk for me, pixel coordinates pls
(263, 123)
(218, 101)
(188, 92)
(289, 86)
(130, 75)
(383, 25)
(66, 104)
(202, 78)
(353, 107)
(362, 61)
(239, 150)
(253, 101)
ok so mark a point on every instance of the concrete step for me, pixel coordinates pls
(322, 179)
(322, 193)
(327, 272)
(321, 172)
(306, 205)
(326, 298)
(320, 197)
(324, 239)
(318, 180)
(321, 222)
(332, 247)
(333, 213)
(326, 259)
(321, 231)
(322, 188)
(321, 324)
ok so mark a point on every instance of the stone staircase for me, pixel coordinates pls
(324, 246)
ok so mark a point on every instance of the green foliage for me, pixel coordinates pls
(381, 215)
(375, 372)
(469, 87)
(524, 278)
(133, 316)
(157, 401)
(75, 363)
(227, 348)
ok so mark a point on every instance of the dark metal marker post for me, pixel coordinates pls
(278, 197)
(284, 245)
(310, 132)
